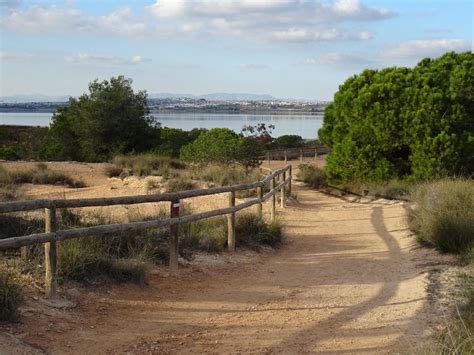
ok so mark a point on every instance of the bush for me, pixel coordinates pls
(11, 297)
(402, 122)
(444, 215)
(252, 231)
(225, 175)
(179, 183)
(208, 235)
(147, 164)
(289, 141)
(39, 176)
(312, 176)
(113, 171)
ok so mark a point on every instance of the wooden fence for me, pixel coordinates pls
(279, 180)
(293, 154)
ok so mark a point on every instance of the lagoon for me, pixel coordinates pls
(305, 125)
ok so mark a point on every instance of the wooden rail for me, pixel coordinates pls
(293, 154)
(51, 235)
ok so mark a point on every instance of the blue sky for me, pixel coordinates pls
(286, 48)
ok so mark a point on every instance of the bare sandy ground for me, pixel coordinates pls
(349, 279)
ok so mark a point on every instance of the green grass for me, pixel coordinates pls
(41, 175)
(444, 214)
(11, 296)
(208, 235)
(312, 176)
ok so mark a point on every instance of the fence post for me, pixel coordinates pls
(301, 154)
(174, 230)
(286, 158)
(231, 223)
(315, 153)
(50, 254)
(259, 205)
(282, 191)
(268, 157)
(291, 178)
(272, 210)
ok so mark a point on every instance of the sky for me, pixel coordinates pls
(286, 48)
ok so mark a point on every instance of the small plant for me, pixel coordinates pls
(113, 171)
(179, 183)
(312, 176)
(11, 297)
(147, 164)
(208, 235)
(253, 231)
(41, 175)
(444, 215)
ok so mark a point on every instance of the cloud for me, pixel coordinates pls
(9, 3)
(261, 20)
(338, 59)
(105, 59)
(270, 20)
(253, 66)
(66, 19)
(418, 49)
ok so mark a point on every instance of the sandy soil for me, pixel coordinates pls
(349, 279)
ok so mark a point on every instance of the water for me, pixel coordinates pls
(303, 125)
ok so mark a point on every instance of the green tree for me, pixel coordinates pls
(111, 119)
(289, 141)
(401, 122)
(223, 145)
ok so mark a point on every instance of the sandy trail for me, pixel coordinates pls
(348, 280)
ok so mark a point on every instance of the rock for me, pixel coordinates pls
(58, 303)
(73, 292)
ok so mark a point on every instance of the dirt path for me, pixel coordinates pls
(350, 279)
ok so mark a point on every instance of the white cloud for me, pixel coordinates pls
(106, 59)
(418, 49)
(338, 59)
(271, 20)
(66, 19)
(261, 20)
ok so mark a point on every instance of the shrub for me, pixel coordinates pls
(252, 231)
(444, 215)
(289, 141)
(11, 297)
(208, 235)
(113, 171)
(147, 164)
(40, 175)
(402, 122)
(225, 175)
(312, 176)
(180, 183)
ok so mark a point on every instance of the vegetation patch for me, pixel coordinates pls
(41, 175)
(252, 231)
(444, 214)
(145, 164)
(312, 176)
(208, 235)
(11, 296)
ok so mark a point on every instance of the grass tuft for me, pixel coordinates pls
(41, 175)
(252, 231)
(312, 176)
(444, 215)
(147, 164)
(11, 297)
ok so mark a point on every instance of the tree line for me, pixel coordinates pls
(111, 119)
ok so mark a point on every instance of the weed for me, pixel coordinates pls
(312, 176)
(444, 214)
(11, 296)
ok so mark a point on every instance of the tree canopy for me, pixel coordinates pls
(111, 119)
(223, 145)
(414, 123)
